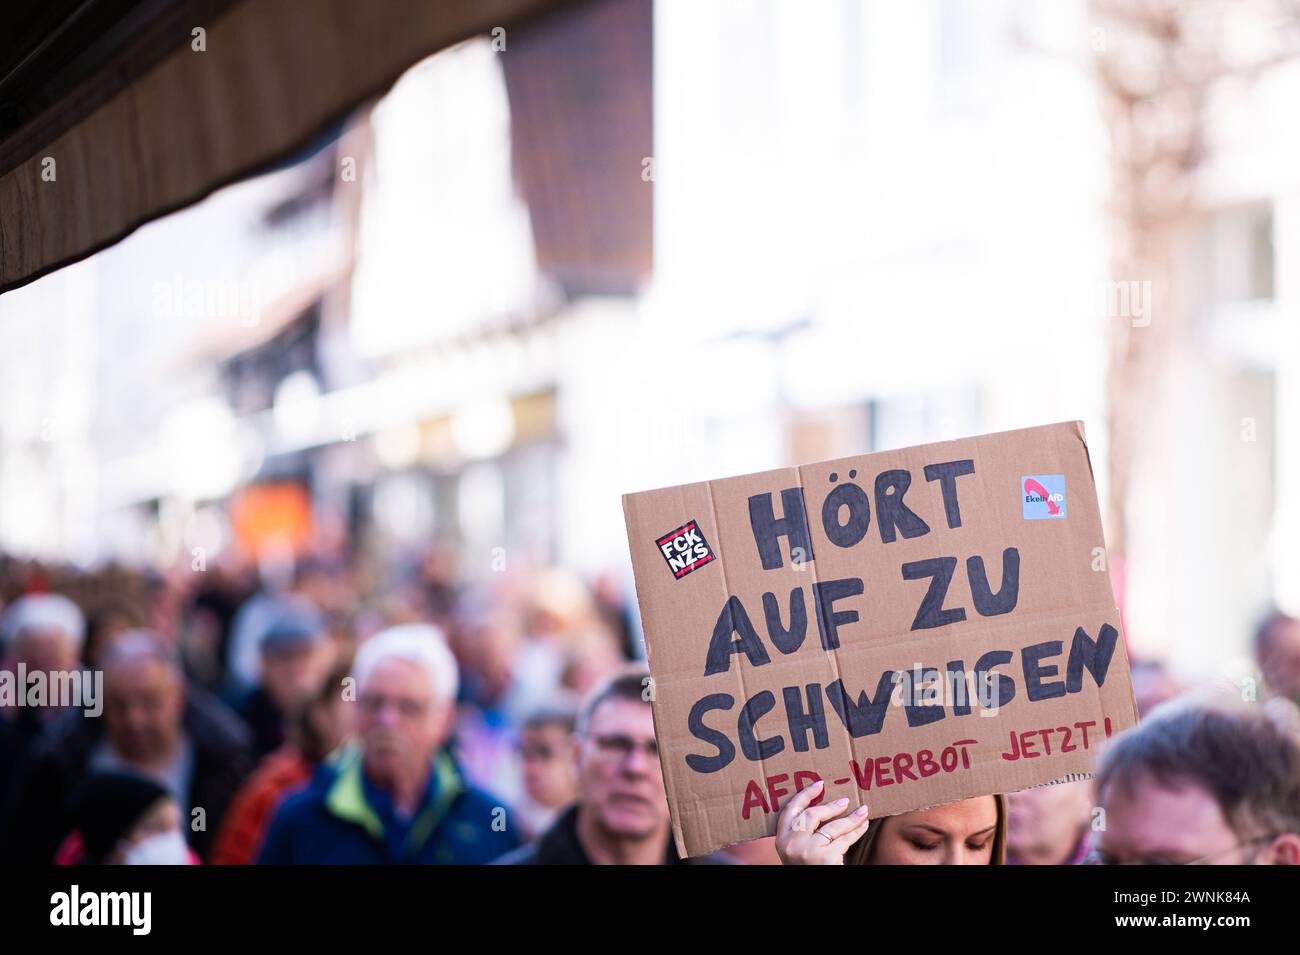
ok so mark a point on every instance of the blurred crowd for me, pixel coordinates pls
(323, 711)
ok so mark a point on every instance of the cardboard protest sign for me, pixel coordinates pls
(914, 627)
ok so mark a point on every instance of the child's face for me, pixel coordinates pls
(162, 817)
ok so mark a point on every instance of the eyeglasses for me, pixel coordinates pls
(407, 708)
(538, 751)
(1097, 857)
(617, 747)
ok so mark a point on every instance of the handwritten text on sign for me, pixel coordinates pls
(846, 517)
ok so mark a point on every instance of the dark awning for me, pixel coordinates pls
(110, 117)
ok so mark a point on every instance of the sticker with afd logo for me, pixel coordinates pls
(685, 549)
(1043, 496)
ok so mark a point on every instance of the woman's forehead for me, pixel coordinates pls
(965, 816)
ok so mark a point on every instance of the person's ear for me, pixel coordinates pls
(1283, 850)
(444, 720)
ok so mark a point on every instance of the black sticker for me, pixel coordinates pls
(685, 549)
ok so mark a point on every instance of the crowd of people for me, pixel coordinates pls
(333, 713)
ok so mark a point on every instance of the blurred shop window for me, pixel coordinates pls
(444, 247)
(531, 496)
(853, 50)
(265, 360)
(963, 38)
(1238, 255)
(898, 422)
(829, 433)
(883, 424)
(403, 506)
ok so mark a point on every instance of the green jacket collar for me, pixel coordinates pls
(346, 797)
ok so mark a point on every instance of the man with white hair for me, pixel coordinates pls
(42, 633)
(396, 796)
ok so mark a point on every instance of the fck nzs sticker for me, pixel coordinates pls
(685, 549)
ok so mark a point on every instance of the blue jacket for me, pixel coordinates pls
(342, 819)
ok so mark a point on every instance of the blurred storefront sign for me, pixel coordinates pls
(272, 518)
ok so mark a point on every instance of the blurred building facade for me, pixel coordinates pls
(1215, 519)
(651, 243)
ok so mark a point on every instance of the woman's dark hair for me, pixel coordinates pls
(308, 735)
(107, 806)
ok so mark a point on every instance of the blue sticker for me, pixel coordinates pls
(1043, 496)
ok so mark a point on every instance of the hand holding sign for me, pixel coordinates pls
(818, 835)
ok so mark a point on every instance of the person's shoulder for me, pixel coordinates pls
(214, 725)
(284, 767)
(475, 803)
(307, 801)
(275, 777)
(474, 797)
(482, 823)
(67, 740)
(300, 822)
(524, 855)
(292, 823)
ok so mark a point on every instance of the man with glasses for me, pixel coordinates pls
(397, 796)
(1202, 783)
(550, 777)
(621, 814)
